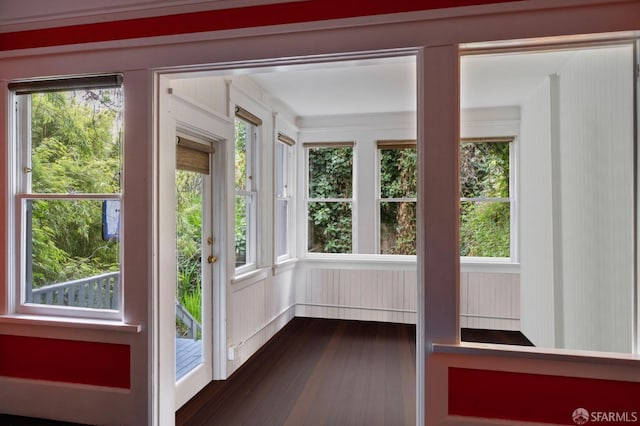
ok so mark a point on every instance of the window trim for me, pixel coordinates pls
(20, 156)
(288, 145)
(251, 192)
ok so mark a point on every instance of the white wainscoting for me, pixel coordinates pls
(368, 295)
(488, 299)
(258, 308)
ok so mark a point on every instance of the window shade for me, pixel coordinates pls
(191, 144)
(247, 116)
(193, 156)
(396, 144)
(63, 84)
(488, 139)
(286, 139)
(327, 144)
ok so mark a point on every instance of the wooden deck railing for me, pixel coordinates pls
(100, 292)
(194, 329)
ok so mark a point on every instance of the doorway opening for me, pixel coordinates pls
(314, 218)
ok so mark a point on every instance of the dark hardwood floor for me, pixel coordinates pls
(317, 372)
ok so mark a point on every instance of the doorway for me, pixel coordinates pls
(191, 314)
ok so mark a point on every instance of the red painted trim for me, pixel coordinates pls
(224, 19)
(90, 363)
(538, 398)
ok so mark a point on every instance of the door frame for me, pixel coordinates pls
(175, 114)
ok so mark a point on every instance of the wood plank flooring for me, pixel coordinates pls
(317, 372)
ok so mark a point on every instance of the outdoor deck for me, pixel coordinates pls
(188, 355)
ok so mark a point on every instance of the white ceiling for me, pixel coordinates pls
(389, 84)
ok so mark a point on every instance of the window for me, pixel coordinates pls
(397, 197)
(329, 197)
(67, 170)
(485, 197)
(246, 193)
(284, 146)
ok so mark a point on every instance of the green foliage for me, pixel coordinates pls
(330, 222)
(188, 231)
(242, 183)
(484, 225)
(75, 148)
(398, 179)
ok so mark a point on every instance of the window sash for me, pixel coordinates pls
(25, 307)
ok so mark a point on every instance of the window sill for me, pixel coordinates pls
(498, 265)
(361, 261)
(75, 323)
(250, 276)
(284, 265)
(546, 354)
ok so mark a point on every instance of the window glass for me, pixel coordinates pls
(329, 204)
(398, 190)
(485, 210)
(246, 194)
(283, 200)
(68, 174)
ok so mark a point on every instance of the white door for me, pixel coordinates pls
(191, 277)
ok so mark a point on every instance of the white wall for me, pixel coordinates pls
(596, 157)
(536, 230)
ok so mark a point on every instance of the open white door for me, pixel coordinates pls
(191, 297)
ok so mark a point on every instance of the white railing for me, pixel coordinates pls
(99, 292)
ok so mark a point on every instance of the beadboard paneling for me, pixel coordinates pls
(488, 300)
(257, 310)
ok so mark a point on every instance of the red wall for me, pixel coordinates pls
(224, 19)
(540, 398)
(90, 363)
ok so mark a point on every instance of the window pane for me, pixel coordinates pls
(67, 260)
(485, 229)
(281, 183)
(484, 170)
(329, 227)
(282, 213)
(398, 173)
(241, 175)
(330, 172)
(241, 229)
(76, 141)
(398, 227)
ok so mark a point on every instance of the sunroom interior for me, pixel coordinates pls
(547, 194)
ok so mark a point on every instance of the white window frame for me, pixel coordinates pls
(351, 200)
(513, 213)
(284, 166)
(251, 196)
(20, 178)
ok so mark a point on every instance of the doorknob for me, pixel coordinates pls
(212, 259)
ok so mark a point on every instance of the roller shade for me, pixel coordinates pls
(247, 116)
(193, 156)
(286, 139)
(63, 84)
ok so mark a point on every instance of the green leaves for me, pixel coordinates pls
(75, 148)
(330, 177)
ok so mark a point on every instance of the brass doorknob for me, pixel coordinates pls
(212, 259)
